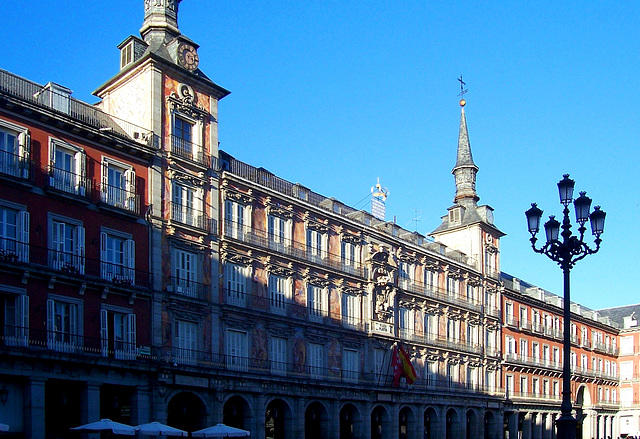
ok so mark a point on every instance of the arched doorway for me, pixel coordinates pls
(406, 423)
(236, 413)
(380, 423)
(452, 424)
(187, 412)
(315, 421)
(277, 420)
(490, 426)
(471, 424)
(349, 422)
(430, 424)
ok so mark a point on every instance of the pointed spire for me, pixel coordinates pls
(465, 169)
(160, 20)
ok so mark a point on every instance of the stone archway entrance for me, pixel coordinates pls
(187, 412)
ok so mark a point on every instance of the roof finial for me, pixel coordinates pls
(462, 91)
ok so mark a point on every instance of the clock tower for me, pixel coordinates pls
(468, 227)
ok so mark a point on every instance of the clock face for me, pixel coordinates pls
(188, 57)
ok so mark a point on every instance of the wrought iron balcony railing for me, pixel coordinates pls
(191, 217)
(13, 165)
(120, 197)
(189, 151)
(69, 182)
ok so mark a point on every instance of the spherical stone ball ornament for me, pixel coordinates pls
(463, 102)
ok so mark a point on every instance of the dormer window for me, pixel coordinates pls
(455, 215)
(126, 55)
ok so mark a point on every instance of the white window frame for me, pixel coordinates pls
(70, 180)
(317, 302)
(349, 254)
(278, 355)
(406, 322)
(185, 337)
(124, 335)
(115, 271)
(406, 274)
(236, 283)
(236, 350)
(14, 236)
(14, 159)
(187, 203)
(279, 232)
(186, 272)
(279, 294)
(61, 257)
(120, 192)
(350, 310)
(315, 360)
(350, 365)
(316, 244)
(16, 316)
(64, 324)
(237, 218)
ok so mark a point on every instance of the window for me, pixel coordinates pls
(524, 352)
(584, 362)
(185, 342)
(118, 334)
(431, 373)
(556, 389)
(453, 329)
(430, 325)
(236, 350)
(626, 345)
(279, 232)
(556, 356)
(510, 346)
(315, 360)
(626, 370)
(584, 336)
(236, 284)
(452, 374)
(535, 384)
(523, 386)
(278, 355)
(452, 286)
(508, 311)
(66, 245)
(535, 351)
(523, 316)
(317, 303)
(405, 322)
(67, 168)
(472, 374)
(279, 294)
(316, 245)
(15, 146)
(626, 397)
(378, 365)
(471, 293)
(126, 55)
(182, 129)
(186, 206)
(118, 185)
(405, 274)
(183, 143)
(236, 219)
(545, 388)
(350, 310)
(350, 365)
(490, 380)
(14, 233)
(63, 325)
(185, 273)
(349, 254)
(117, 257)
(15, 311)
(431, 280)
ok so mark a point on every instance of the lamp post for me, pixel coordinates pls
(566, 253)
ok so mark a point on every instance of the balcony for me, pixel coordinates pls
(191, 217)
(289, 248)
(189, 288)
(64, 106)
(188, 151)
(120, 198)
(15, 166)
(72, 264)
(69, 182)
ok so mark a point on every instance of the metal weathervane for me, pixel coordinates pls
(463, 90)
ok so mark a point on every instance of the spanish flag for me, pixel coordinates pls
(402, 366)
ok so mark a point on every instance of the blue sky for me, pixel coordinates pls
(335, 94)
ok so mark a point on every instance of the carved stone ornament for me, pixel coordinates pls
(278, 270)
(384, 302)
(431, 264)
(169, 5)
(278, 210)
(238, 197)
(184, 102)
(491, 248)
(317, 281)
(317, 226)
(351, 238)
(474, 281)
(236, 258)
(454, 360)
(403, 256)
(455, 273)
(352, 290)
(411, 304)
(179, 175)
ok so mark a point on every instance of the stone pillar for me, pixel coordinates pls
(333, 419)
(34, 409)
(141, 406)
(299, 417)
(258, 420)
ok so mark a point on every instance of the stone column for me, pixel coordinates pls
(34, 409)
(141, 406)
(299, 417)
(258, 420)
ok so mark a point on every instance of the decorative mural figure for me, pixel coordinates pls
(259, 353)
(299, 351)
(334, 358)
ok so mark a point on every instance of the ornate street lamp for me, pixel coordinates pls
(566, 253)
